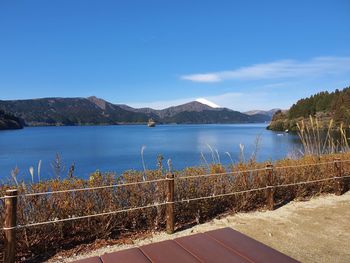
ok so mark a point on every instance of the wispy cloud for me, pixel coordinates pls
(277, 70)
(246, 101)
(208, 77)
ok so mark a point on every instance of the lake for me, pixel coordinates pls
(118, 148)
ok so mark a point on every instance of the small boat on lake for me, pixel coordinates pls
(151, 123)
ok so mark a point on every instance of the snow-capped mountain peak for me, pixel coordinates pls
(207, 102)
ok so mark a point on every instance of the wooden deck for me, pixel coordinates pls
(223, 245)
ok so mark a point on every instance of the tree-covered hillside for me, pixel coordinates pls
(324, 105)
(68, 111)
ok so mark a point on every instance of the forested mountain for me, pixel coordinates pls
(8, 121)
(324, 105)
(95, 111)
(68, 111)
(211, 116)
(170, 112)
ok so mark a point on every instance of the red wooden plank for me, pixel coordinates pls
(89, 260)
(208, 250)
(256, 251)
(168, 251)
(133, 255)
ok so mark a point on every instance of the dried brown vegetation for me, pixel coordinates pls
(41, 241)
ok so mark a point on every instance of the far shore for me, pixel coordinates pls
(131, 124)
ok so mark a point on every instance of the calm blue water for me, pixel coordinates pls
(117, 148)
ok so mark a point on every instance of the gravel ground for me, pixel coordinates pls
(317, 230)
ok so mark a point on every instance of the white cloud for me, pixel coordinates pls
(278, 69)
(251, 101)
(203, 77)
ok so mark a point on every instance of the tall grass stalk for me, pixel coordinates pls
(212, 152)
(229, 155)
(31, 171)
(256, 148)
(39, 170)
(143, 161)
(241, 153)
(217, 155)
(170, 166)
(14, 174)
(319, 140)
(205, 160)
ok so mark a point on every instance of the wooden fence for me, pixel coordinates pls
(11, 198)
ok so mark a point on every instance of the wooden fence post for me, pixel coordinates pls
(270, 203)
(170, 204)
(339, 183)
(9, 225)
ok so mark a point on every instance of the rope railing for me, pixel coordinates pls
(218, 174)
(74, 218)
(256, 189)
(87, 188)
(165, 179)
(94, 188)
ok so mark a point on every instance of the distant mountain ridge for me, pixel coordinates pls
(96, 111)
(264, 112)
(193, 106)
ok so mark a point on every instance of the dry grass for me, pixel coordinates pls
(318, 139)
(43, 241)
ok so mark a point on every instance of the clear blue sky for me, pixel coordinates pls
(239, 54)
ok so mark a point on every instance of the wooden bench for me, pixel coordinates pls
(222, 245)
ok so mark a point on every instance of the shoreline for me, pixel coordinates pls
(140, 124)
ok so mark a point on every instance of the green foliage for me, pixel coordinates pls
(324, 105)
(337, 103)
(280, 122)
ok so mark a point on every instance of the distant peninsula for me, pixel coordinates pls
(96, 111)
(9, 122)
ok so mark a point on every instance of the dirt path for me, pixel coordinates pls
(314, 231)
